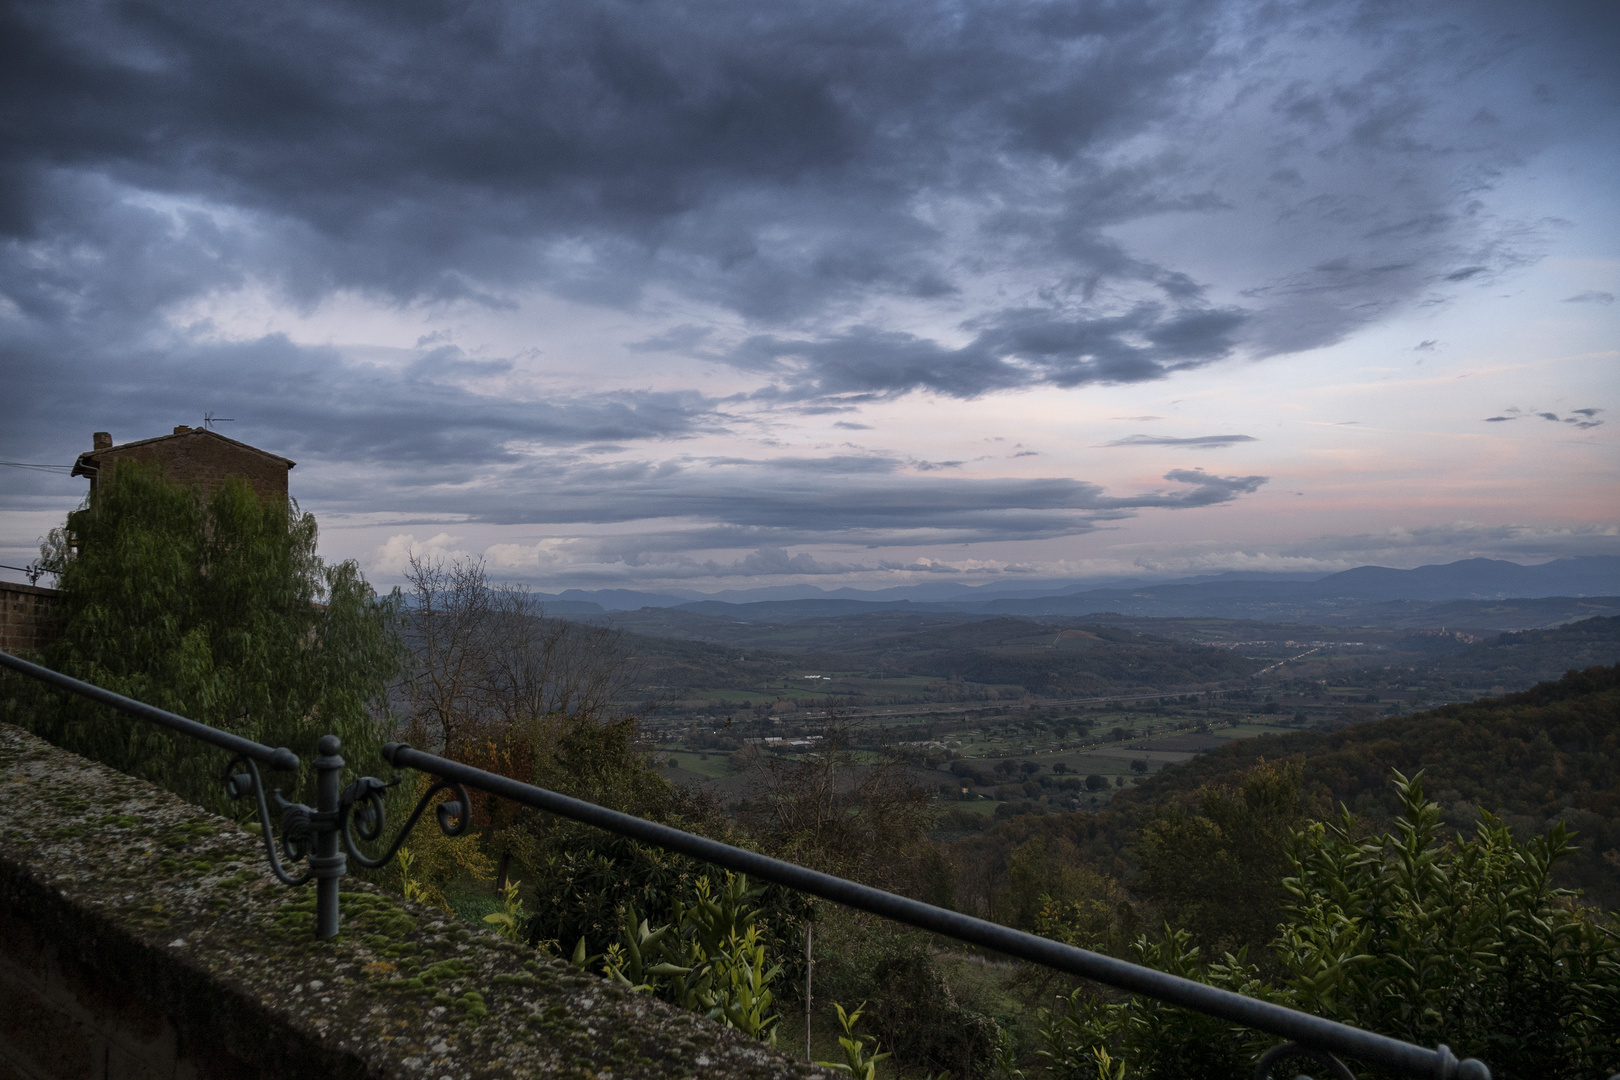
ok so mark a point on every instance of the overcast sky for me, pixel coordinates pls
(712, 293)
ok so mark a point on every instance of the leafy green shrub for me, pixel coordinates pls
(1403, 933)
(1466, 943)
(709, 958)
(1153, 1040)
(857, 1063)
(586, 887)
(910, 1006)
(510, 920)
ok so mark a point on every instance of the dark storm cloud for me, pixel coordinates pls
(794, 168)
(423, 149)
(781, 159)
(695, 503)
(1021, 348)
(87, 347)
(1579, 418)
(1211, 441)
(312, 405)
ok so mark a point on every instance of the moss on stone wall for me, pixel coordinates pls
(161, 899)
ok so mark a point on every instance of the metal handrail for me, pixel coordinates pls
(314, 834)
(1291, 1024)
(279, 758)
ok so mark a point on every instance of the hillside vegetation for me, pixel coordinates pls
(1519, 660)
(1548, 754)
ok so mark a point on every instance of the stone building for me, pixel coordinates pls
(189, 455)
(192, 456)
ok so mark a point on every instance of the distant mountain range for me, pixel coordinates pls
(931, 592)
(1332, 598)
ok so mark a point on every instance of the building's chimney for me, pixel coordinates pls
(102, 440)
(181, 429)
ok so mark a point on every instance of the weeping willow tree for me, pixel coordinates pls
(216, 608)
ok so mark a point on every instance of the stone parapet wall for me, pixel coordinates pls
(141, 936)
(25, 617)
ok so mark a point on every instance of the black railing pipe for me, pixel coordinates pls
(1298, 1027)
(310, 833)
(278, 758)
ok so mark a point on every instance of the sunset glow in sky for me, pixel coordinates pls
(714, 294)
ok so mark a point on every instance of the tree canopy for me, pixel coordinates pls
(217, 608)
(1535, 758)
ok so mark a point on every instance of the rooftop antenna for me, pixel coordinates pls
(209, 420)
(34, 571)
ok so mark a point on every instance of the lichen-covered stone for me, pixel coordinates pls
(160, 899)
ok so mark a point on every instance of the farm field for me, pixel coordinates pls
(996, 756)
(983, 748)
(899, 669)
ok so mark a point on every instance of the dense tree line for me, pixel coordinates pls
(1545, 755)
(1095, 671)
(972, 656)
(1526, 657)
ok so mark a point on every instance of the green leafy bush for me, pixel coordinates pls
(858, 1062)
(1466, 943)
(709, 958)
(585, 888)
(909, 1006)
(1151, 1039)
(1402, 933)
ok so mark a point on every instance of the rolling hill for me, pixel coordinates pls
(1547, 754)
(1465, 593)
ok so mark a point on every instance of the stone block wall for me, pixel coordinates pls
(144, 937)
(203, 458)
(25, 617)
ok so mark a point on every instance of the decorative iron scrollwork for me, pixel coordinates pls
(363, 813)
(249, 784)
(1288, 1051)
(297, 831)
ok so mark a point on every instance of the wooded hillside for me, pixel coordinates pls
(1550, 753)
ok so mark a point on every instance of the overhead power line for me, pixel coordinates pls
(32, 465)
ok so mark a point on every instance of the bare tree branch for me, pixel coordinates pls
(486, 656)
